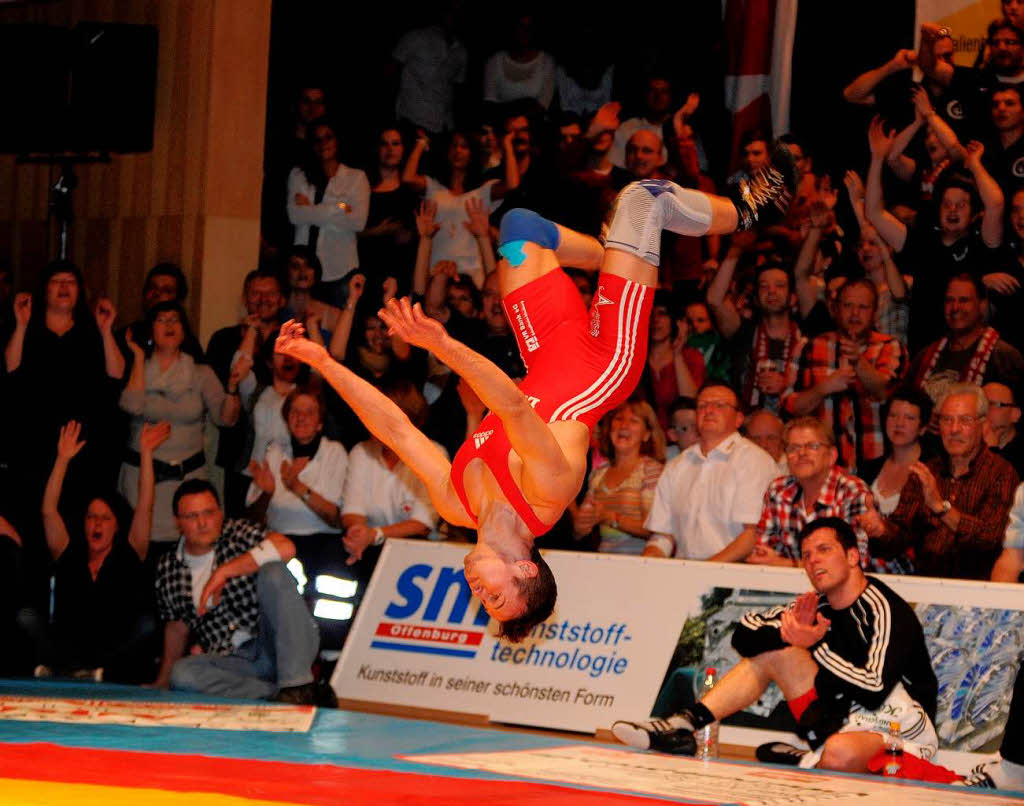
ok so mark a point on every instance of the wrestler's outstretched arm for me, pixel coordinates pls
(385, 420)
(529, 435)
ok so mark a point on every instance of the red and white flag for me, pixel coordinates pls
(759, 52)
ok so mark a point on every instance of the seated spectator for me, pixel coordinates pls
(673, 369)
(845, 377)
(906, 421)
(523, 71)
(712, 491)
(849, 657)
(452, 186)
(1000, 427)
(234, 623)
(764, 429)
(103, 609)
(970, 352)
(953, 513)
(1009, 566)
(816, 487)
(168, 385)
(296, 489)
(766, 349)
(682, 428)
(383, 497)
(304, 277)
(932, 256)
(328, 203)
(620, 494)
(386, 245)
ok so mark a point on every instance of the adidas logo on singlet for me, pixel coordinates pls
(482, 437)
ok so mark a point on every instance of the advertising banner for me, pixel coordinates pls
(420, 639)
(630, 636)
(966, 20)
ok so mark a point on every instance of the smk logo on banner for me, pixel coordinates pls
(417, 621)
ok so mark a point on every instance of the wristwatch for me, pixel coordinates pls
(946, 506)
(308, 494)
(378, 536)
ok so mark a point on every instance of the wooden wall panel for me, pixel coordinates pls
(206, 158)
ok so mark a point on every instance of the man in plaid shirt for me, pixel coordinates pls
(235, 624)
(816, 488)
(846, 376)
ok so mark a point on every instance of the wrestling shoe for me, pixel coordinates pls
(658, 734)
(780, 753)
(979, 777)
(764, 198)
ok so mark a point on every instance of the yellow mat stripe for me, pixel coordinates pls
(16, 792)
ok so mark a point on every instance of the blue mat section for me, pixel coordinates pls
(337, 737)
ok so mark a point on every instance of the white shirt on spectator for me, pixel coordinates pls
(336, 243)
(453, 241)
(324, 474)
(385, 496)
(268, 423)
(506, 80)
(703, 501)
(431, 66)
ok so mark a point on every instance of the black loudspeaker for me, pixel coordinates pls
(33, 88)
(112, 97)
(91, 88)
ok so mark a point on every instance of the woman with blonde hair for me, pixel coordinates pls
(620, 493)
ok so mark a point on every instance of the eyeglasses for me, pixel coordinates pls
(793, 450)
(999, 404)
(715, 405)
(960, 419)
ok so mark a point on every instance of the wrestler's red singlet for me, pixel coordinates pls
(578, 366)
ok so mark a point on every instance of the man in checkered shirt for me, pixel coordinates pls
(816, 487)
(235, 624)
(846, 376)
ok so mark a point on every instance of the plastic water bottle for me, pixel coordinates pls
(893, 752)
(707, 737)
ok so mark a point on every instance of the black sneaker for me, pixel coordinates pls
(764, 198)
(297, 695)
(656, 734)
(780, 753)
(979, 777)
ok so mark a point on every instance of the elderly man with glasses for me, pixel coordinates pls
(953, 511)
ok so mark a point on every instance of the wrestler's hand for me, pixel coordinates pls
(292, 341)
(411, 324)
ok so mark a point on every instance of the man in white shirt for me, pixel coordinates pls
(713, 490)
(432, 62)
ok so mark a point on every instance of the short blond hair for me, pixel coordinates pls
(824, 432)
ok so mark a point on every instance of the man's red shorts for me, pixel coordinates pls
(580, 365)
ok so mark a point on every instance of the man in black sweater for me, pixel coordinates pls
(849, 658)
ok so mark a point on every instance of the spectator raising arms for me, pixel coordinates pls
(169, 385)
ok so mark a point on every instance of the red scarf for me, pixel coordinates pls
(974, 372)
(763, 361)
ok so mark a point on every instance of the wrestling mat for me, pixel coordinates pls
(81, 743)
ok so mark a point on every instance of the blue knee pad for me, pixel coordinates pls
(519, 226)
